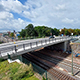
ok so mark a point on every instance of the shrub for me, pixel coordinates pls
(1, 59)
(6, 78)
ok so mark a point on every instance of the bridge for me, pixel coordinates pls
(21, 47)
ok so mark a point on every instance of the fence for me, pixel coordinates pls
(38, 69)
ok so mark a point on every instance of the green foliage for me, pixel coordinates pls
(15, 71)
(69, 31)
(66, 32)
(56, 32)
(31, 78)
(12, 34)
(77, 31)
(38, 31)
(30, 30)
(44, 78)
(42, 31)
(0, 42)
(6, 78)
(23, 33)
(1, 59)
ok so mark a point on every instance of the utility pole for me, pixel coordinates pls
(72, 58)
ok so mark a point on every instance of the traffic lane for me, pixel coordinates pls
(23, 42)
(18, 42)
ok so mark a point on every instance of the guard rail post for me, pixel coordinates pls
(61, 38)
(49, 40)
(31, 45)
(45, 41)
(15, 49)
(52, 39)
(55, 39)
(24, 46)
(36, 43)
(0, 54)
(41, 42)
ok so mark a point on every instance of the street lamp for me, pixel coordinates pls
(72, 58)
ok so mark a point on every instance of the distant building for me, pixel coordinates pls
(9, 33)
(1, 34)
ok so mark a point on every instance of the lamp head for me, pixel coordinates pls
(71, 43)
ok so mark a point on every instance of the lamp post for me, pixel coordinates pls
(72, 59)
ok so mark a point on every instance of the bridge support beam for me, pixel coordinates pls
(65, 45)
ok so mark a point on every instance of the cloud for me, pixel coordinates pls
(60, 7)
(66, 20)
(2, 7)
(52, 13)
(13, 24)
(6, 15)
(13, 5)
(8, 22)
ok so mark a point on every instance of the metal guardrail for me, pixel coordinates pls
(13, 49)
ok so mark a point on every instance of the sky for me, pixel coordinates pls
(17, 14)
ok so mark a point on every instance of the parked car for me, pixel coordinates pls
(51, 37)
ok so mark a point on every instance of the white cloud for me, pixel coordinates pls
(1, 7)
(52, 13)
(13, 5)
(5, 15)
(61, 7)
(13, 24)
(66, 20)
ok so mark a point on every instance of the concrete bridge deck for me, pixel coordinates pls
(21, 47)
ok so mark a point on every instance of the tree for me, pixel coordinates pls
(70, 31)
(42, 31)
(77, 31)
(23, 33)
(66, 32)
(56, 32)
(63, 31)
(30, 30)
(12, 34)
(38, 29)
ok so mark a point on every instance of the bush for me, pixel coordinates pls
(6, 78)
(0, 42)
(44, 78)
(15, 71)
(22, 72)
(1, 59)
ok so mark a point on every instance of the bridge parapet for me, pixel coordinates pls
(21, 48)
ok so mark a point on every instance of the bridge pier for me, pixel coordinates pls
(65, 45)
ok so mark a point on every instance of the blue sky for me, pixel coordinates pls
(16, 14)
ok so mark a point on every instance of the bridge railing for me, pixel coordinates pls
(16, 48)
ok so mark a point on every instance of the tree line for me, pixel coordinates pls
(38, 31)
(43, 31)
(75, 32)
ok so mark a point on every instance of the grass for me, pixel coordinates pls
(0, 42)
(16, 71)
(30, 78)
